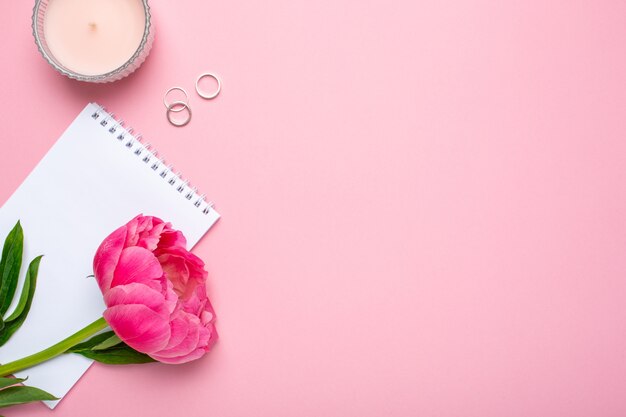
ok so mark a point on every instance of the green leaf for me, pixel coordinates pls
(110, 342)
(10, 265)
(22, 395)
(7, 382)
(107, 348)
(91, 343)
(14, 322)
(117, 355)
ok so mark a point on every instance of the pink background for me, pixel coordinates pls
(424, 203)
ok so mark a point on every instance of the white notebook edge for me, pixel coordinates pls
(127, 136)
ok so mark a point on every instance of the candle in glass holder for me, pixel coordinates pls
(93, 40)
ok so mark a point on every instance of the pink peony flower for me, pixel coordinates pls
(155, 291)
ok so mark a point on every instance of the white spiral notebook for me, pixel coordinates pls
(95, 178)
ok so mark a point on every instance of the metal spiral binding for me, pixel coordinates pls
(149, 157)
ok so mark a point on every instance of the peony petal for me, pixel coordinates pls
(179, 329)
(136, 293)
(208, 314)
(190, 327)
(132, 236)
(150, 233)
(197, 302)
(184, 269)
(171, 238)
(139, 327)
(177, 273)
(195, 264)
(195, 354)
(204, 335)
(171, 299)
(107, 257)
(138, 265)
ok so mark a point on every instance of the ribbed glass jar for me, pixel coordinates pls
(133, 62)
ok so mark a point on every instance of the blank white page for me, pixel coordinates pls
(94, 179)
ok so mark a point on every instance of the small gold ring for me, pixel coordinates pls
(170, 109)
(203, 94)
(176, 107)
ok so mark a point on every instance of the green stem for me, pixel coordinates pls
(54, 350)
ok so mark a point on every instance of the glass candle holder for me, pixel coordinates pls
(95, 41)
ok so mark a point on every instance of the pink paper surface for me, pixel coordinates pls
(424, 204)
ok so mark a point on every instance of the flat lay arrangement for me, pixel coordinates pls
(333, 208)
(153, 304)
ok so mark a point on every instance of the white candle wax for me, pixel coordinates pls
(94, 37)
